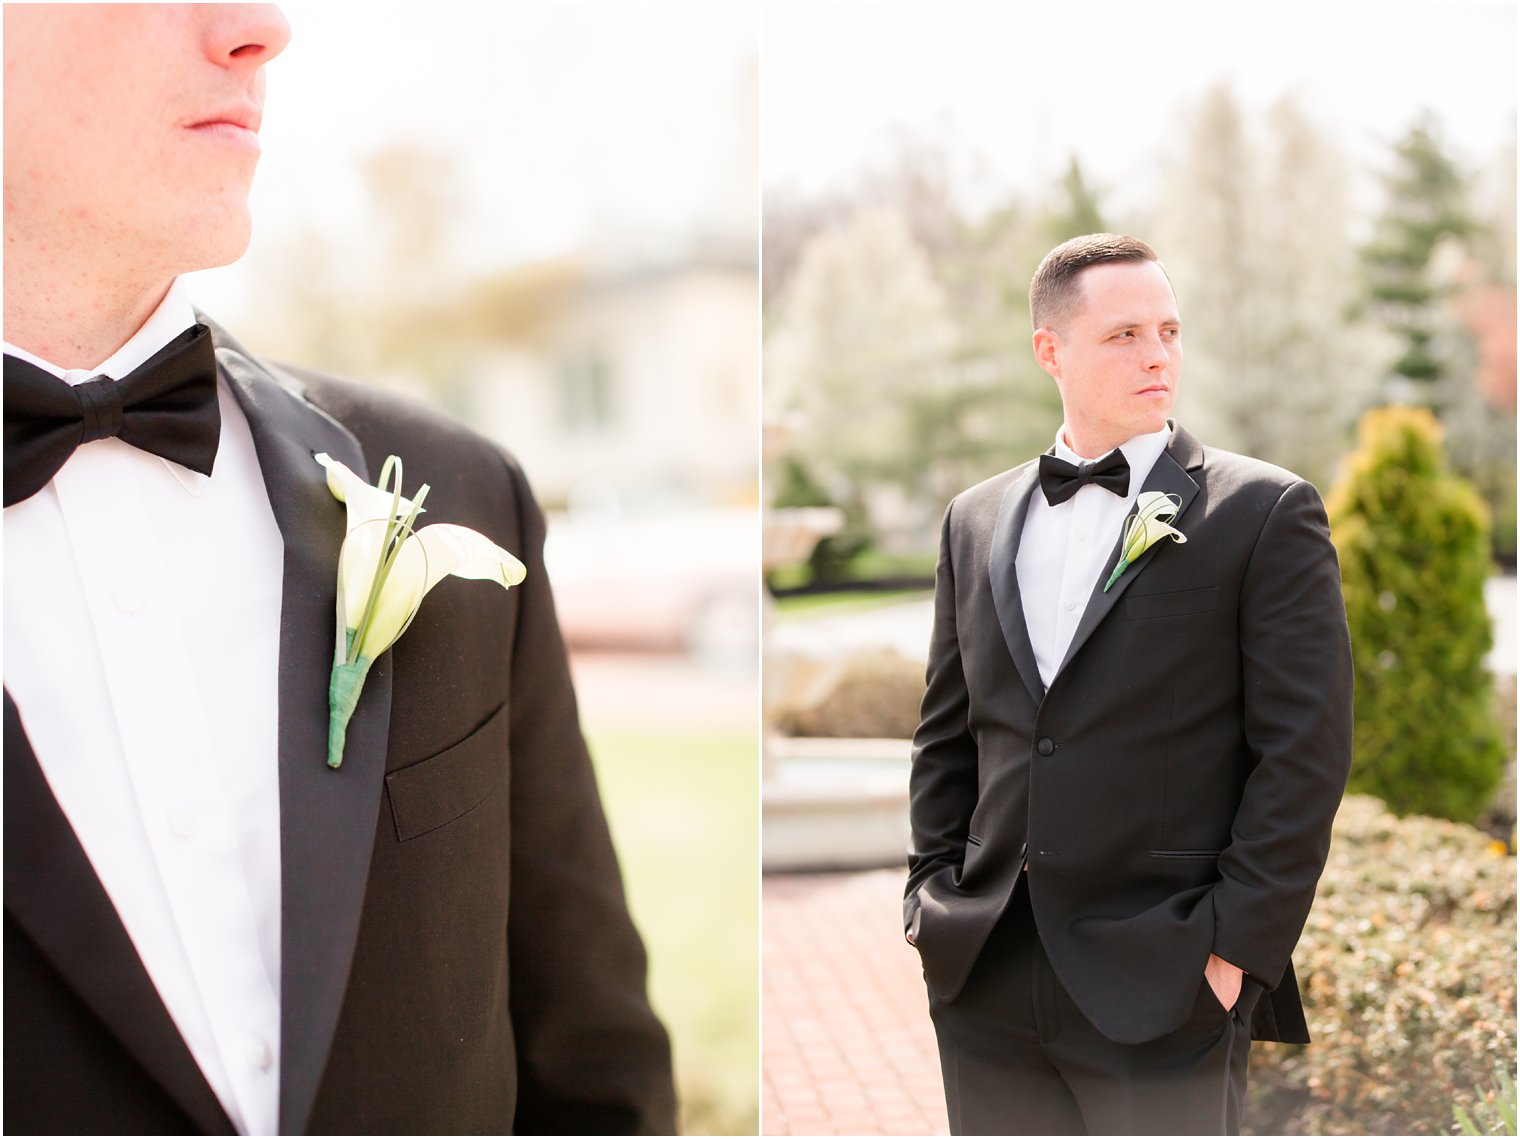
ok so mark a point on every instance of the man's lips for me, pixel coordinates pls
(238, 124)
(249, 116)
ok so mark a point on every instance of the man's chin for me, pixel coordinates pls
(1155, 418)
(213, 239)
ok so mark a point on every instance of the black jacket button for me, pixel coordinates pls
(1045, 746)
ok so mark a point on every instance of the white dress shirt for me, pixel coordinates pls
(142, 619)
(1065, 548)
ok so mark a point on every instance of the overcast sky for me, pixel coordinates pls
(567, 116)
(1017, 87)
(571, 116)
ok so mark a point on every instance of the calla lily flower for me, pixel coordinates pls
(1147, 526)
(385, 569)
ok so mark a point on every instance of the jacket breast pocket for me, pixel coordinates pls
(435, 791)
(1179, 604)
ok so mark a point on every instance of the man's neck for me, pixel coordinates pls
(75, 321)
(1086, 449)
(1096, 451)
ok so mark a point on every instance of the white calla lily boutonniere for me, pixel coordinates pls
(1144, 528)
(385, 569)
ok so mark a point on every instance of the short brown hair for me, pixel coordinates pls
(1055, 294)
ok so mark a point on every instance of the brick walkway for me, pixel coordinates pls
(846, 1043)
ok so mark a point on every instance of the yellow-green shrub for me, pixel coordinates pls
(1413, 545)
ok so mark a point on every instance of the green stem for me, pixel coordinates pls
(342, 697)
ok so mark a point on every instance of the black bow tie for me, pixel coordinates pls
(1060, 479)
(167, 406)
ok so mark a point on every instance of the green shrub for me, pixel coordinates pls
(795, 486)
(1407, 965)
(1413, 546)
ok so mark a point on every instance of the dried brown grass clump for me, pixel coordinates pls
(876, 696)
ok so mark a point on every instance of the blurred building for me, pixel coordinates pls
(632, 402)
(1487, 311)
(641, 381)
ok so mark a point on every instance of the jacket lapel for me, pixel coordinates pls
(1001, 566)
(1170, 476)
(327, 818)
(85, 940)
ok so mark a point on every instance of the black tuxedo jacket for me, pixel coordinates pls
(457, 955)
(1172, 791)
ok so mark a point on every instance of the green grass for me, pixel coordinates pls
(863, 568)
(684, 813)
(873, 565)
(829, 604)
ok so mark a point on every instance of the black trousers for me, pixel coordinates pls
(1019, 1058)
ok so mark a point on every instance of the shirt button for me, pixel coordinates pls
(1069, 606)
(1082, 537)
(259, 1054)
(130, 601)
(182, 822)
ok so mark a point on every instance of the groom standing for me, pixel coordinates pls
(207, 929)
(1125, 774)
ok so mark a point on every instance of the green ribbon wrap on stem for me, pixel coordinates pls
(342, 697)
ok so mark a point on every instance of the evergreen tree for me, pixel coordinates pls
(1426, 209)
(1079, 212)
(1005, 407)
(1413, 545)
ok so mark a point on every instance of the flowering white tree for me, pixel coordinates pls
(1256, 227)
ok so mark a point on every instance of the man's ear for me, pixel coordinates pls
(1046, 343)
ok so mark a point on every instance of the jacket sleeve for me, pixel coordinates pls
(1296, 674)
(592, 1058)
(942, 788)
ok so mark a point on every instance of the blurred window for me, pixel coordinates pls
(585, 391)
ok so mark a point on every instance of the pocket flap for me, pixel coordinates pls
(1178, 604)
(437, 790)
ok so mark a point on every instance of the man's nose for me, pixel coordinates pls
(1155, 356)
(245, 35)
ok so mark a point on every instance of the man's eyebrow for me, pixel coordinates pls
(1121, 324)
